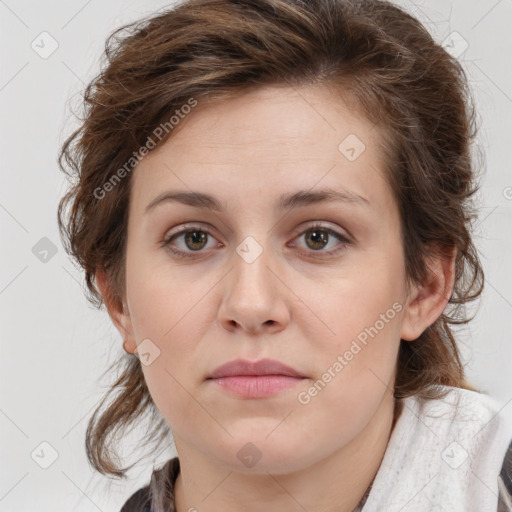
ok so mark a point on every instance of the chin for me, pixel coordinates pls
(262, 455)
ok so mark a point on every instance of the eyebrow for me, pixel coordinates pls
(287, 201)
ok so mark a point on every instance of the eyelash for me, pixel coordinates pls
(185, 254)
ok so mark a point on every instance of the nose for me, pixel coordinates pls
(255, 297)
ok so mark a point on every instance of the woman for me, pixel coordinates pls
(274, 203)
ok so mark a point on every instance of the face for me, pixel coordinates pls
(318, 285)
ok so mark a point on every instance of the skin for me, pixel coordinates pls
(291, 304)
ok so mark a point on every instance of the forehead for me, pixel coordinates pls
(268, 141)
(273, 118)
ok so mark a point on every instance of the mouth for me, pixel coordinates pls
(258, 379)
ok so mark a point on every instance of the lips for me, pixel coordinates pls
(244, 379)
(262, 367)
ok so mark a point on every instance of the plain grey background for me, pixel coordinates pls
(54, 346)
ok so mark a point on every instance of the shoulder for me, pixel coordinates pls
(468, 409)
(158, 492)
(472, 433)
(139, 501)
(477, 422)
(505, 483)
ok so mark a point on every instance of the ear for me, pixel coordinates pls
(427, 301)
(117, 311)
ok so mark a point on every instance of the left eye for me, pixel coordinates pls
(196, 238)
(319, 237)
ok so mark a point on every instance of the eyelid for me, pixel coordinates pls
(199, 226)
(304, 228)
(343, 239)
(188, 226)
(184, 228)
(318, 224)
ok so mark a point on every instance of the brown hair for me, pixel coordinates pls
(377, 56)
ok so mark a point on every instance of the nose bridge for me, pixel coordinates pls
(251, 272)
(252, 298)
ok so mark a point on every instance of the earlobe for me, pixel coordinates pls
(117, 311)
(427, 301)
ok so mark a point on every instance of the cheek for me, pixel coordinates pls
(349, 307)
(168, 390)
(362, 317)
(358, 369)
(166, 311)
(159, 294)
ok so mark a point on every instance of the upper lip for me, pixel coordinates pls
(261, 367)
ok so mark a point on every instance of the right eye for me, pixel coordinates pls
(194, 238)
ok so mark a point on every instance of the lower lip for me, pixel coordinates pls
(257, 386)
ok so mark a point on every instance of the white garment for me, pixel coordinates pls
(443, 455)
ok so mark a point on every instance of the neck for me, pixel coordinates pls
(336, 483)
